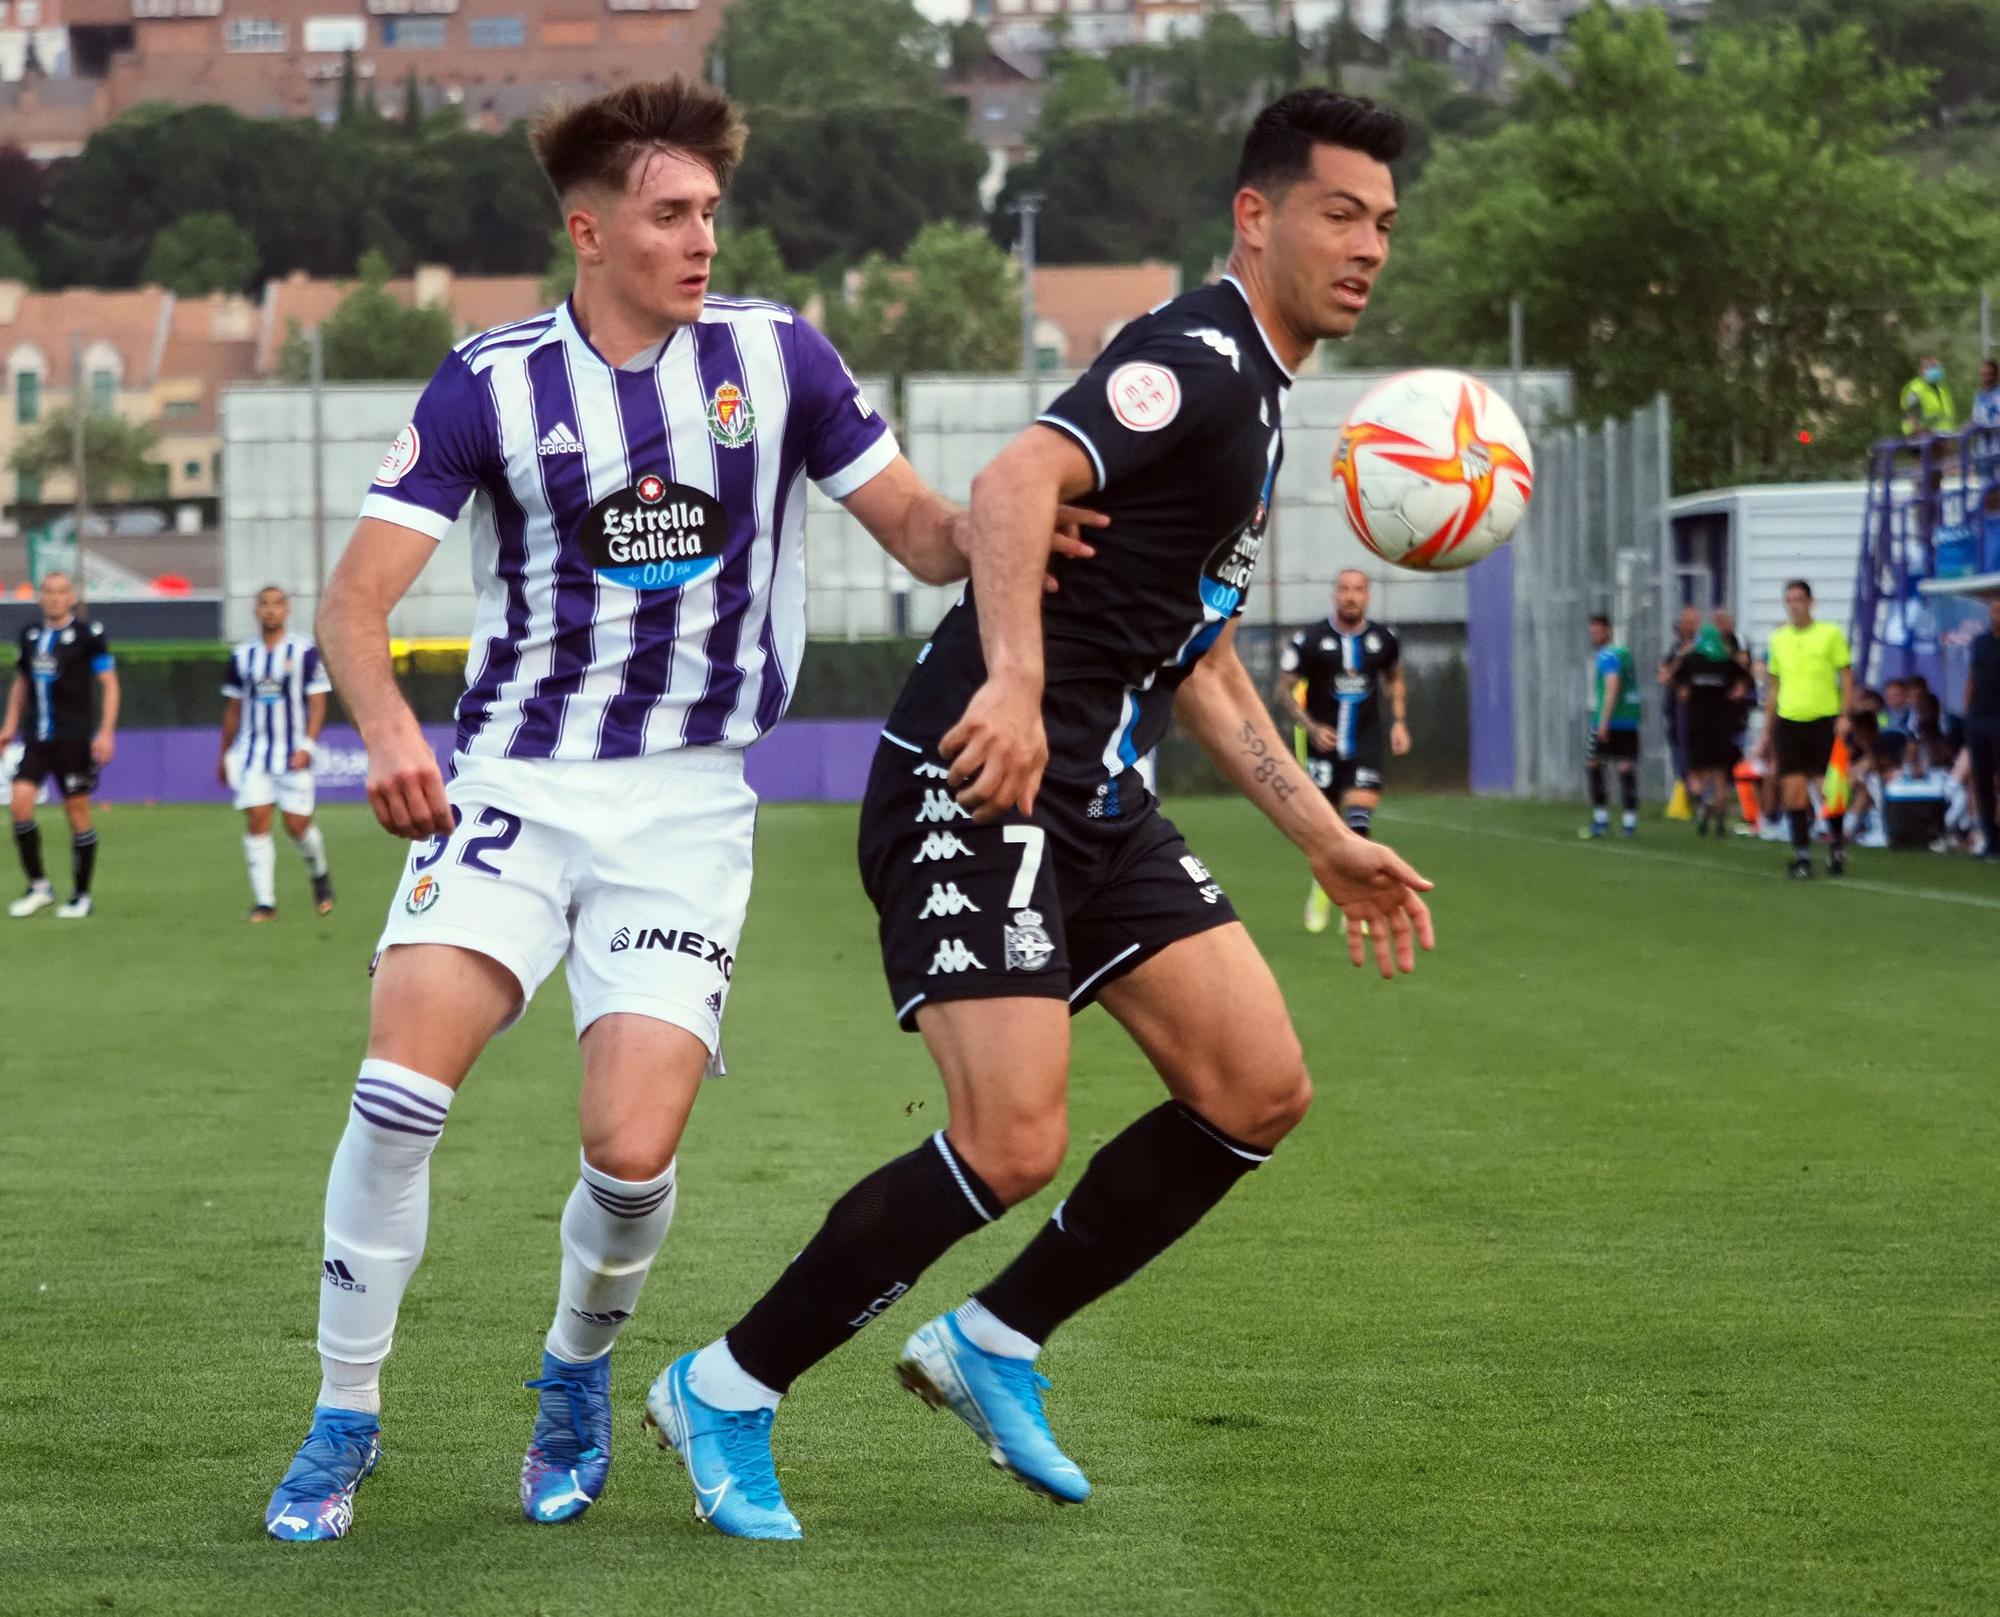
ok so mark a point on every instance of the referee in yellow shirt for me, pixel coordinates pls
(1811, 682)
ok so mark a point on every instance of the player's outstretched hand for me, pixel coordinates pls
(997, 751)
(405, 789)
(1381, 900)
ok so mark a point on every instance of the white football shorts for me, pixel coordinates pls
(633, 873)
(292, 790)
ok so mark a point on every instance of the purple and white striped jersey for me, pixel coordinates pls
(272, 683)
(638, 531)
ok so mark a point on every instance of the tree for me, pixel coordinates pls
(375, 337)
(413, 107)
(1956, 40)
(1740, 236)
(966, 47)
(15, 264)
(1077, 87)
(350, 90)
(1105, 202)
(951, 305)
(1396, 29)
(835, 181)
(749, 265)
(1345, 45)
(202, 253)
(1432, 104)
(559, 279)
(23, 192)
(1221, 75)
(800, 53)
(117, 454)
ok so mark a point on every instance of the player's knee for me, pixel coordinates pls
(635, 1159)
(1022, 1160)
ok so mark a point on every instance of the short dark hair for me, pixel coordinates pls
(1600, 617)
(1798, 584)
(274, 589)
(1277, 152)
(594, 142)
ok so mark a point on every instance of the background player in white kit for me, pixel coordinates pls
(635, 461)
(277, 689)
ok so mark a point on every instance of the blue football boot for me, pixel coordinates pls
(570, 1453)
(1000, 1398)
(727, 1455)
(315, 1500)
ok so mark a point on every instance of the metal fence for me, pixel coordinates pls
(1597, 539)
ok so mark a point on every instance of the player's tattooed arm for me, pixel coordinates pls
(1219, 706)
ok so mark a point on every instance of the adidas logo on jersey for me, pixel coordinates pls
(560, 440)
(952, 955)
(940, 805)
(940, 845)
(946, 899)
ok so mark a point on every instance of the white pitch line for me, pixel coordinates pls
(1859, 884)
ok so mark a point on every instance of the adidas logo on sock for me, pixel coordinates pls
(559, 440)
(338, 1274)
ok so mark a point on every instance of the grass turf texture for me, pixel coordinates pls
(1637, 1257)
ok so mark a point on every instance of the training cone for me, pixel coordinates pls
(1678, 806)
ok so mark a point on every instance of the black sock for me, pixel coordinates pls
(876, 1240)
(83, 860)
(1836, 832)
(1360, 820)
(1628, 790)
(1141, 1193)
(1594, 771)
(28, 844)
(1800, 821)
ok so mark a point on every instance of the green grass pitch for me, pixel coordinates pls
(1639, 1255)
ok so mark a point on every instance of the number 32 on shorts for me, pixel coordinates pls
(504, 829)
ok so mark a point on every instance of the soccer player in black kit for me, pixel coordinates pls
(1021, 870)
(1332, 676)
(64, 705)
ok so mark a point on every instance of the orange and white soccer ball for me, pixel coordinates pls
(1433, 470)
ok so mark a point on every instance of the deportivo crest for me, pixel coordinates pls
(423, 895)
(1028, 945)
(731, 420)
(1373, 642)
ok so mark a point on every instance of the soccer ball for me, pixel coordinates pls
(1433, 470)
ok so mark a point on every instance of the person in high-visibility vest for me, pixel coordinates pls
(1927, 400)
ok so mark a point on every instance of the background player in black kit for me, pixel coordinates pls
(1332, 676)
(1008, 900)
(54, 705)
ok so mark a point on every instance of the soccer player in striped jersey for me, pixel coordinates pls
(276, 708)
(635, 463)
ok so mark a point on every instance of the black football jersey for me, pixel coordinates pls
(1342, 674)
(61, 666)
(1181, 419)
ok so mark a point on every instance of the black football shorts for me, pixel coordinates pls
(1052, 906)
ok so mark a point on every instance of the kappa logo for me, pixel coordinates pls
(340, 1276)
(1373, 642)
(952, 955)
(946, 899)
(1028, 945)
(560, 439)
(940, 805)
(1326, 644)
(940, 845)
(931, 772)
(676, 942)
(1225, 346)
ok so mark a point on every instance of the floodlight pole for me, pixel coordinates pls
(1025, 207)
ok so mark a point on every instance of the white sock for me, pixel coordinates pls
(720, 1382)
(377, 1211)
(1631, 820)
(261, 855)
(984, 1330)
(312, 849)
(611, 1229)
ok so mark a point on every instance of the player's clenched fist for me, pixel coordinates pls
(406, 790)
(997, 752)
